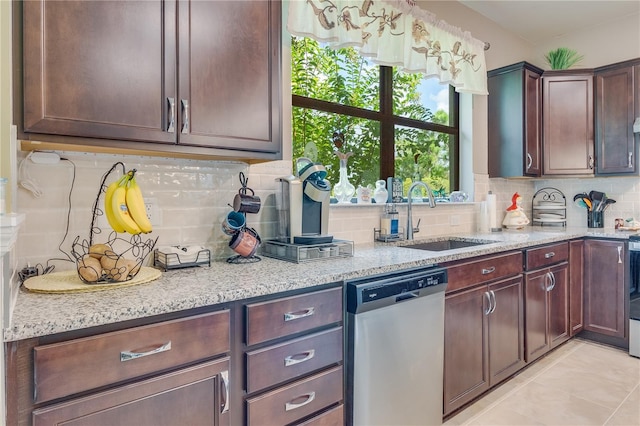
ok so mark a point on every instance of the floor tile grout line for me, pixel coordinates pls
(526, 382)
(621, 404)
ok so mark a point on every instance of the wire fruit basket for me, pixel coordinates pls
(116, 259)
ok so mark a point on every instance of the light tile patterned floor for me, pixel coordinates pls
(580, 383)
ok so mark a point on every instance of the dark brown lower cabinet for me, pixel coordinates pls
(293, 359)
(576, 293)
(191, 396)
(547, 309)
(484, 339)
(604, 289)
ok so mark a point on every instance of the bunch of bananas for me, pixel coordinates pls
(124, 206)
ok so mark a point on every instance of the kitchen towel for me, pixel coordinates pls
(492, 212)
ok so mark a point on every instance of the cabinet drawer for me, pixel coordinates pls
(332, 417)
(282, 317)
(190, 396)
(296, 401)
(66, 368)
(490, 268)
(276, 364)
(546, 255)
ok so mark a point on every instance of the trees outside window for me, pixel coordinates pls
(395, 123)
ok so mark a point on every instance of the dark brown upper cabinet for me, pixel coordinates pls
(567, 117)
(515, 121)
(187, 77)
(615, 113)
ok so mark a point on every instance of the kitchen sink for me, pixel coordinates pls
(448, 244)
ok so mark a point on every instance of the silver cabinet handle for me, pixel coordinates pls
(590, 161)
(529, 161)
(224, 384)
(545, 282)
(172, 115)
(129, 355)
(488, 296)
(290, 316)
(185, 116)
(495, 303)
(630, 165)
(486, 271)
(549, 255)
(309, 398)
(293, 360)
(552, 281)
(619, 254)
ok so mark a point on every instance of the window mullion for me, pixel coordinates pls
(387, 129)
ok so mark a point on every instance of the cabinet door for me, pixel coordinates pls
(506, 329)
(604, 287)
(558, 301)
(636, 90)
(229, 67)
(536, 308)
(466, 373)
(576, 276)
(614, 122)
(191, 396)
(568, 124)
(515, 120)
(532, 123)
(100, 69)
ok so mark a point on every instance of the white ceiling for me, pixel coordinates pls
(543, 20)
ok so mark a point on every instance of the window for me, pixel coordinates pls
(395, 123)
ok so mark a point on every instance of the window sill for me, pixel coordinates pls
(335, 204)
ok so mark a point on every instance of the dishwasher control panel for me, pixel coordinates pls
(394, 288)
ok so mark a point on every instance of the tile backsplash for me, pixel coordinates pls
(193, 196)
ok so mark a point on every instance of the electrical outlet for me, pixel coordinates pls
(154, 213)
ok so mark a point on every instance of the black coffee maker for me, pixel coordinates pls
(302, 203)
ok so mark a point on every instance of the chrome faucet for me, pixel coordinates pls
(432, 204)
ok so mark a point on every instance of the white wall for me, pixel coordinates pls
(606, 43)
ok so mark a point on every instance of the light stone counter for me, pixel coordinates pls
(43, 314)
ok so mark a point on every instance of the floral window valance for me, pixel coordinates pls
(395, 33)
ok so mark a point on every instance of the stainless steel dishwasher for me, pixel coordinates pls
(395, 348)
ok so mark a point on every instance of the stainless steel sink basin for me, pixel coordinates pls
(448, 244)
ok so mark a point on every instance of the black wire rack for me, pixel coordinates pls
(127, 256)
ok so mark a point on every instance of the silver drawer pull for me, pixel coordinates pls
(185, 116)
(129, 355)
(292, 360)
(619, 254)
(290, 316)
(486, 271)
(172, 115)
(549, 255)
(309, 398)
(224, 394)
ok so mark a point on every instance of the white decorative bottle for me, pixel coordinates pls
(380, 194)
(343, 190)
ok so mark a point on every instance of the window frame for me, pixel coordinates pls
(388, 120)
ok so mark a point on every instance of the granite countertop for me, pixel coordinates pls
(43, 314)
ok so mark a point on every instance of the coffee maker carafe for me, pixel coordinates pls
(302, 203)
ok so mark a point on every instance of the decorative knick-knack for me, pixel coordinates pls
(343, 190)
(380, 194)
(515, 217)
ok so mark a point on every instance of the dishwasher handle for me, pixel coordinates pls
(407, 296)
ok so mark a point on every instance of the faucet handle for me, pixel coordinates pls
(416, 229)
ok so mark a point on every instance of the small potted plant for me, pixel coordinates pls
(562, 58)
